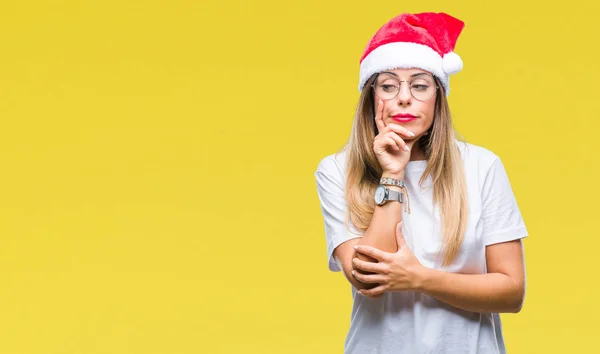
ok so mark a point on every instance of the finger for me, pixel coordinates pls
(368, 278)
(400, 241)
(400, 143)
(379, 116)
(381, 142)
(400, 130)
(371, 267)
(362, 257)
(387, 140)
(376, 291)
(373, 252)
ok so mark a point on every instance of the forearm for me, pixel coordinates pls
(381, 231)
(491, 292)
(380, 234)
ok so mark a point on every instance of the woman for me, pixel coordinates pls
(425, 227)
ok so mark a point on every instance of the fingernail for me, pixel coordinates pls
(355, 246)
(411, 133)
(352, 272)
(406, 148)
(400, 224)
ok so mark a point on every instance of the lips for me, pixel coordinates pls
(404, 117)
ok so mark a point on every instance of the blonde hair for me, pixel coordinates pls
(444, 165)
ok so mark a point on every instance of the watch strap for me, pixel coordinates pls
(389, 181)
(395, 195)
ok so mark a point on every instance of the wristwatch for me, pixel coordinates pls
(383, 194)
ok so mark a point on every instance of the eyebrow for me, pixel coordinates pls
(413, 75)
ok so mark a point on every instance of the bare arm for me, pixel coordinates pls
(380, 234)
(502, 289)
(393, 153)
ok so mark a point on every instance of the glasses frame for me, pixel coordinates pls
(409, 90)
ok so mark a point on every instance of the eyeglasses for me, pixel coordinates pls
(387, 86)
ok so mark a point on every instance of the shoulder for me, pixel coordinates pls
(333, 165)
(476, 157)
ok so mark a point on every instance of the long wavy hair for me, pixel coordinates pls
(444, 165)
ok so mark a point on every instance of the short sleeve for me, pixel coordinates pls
(330, 189)
(502, 220)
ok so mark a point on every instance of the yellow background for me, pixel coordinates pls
(157, 191)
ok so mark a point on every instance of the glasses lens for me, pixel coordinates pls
(386, 86)
(422, 88)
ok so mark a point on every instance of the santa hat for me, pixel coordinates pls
(425, 41)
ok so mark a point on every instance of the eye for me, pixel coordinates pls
(420, 87)
(389, 88)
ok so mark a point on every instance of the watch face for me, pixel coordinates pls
(379, 194)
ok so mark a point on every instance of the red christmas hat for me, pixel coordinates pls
(425, 41)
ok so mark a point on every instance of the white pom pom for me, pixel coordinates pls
(452, 63)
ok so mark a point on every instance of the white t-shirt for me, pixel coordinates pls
(411, 322)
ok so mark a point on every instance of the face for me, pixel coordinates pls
(414, 105)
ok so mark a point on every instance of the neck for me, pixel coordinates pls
(417, 154)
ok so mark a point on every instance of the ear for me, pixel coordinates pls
(399, 236)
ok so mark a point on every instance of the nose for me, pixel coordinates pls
(404, 96)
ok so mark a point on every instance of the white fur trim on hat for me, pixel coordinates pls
(403, 55)
(452, 63)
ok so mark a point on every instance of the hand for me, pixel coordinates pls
(393, 272)
(392, 152)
